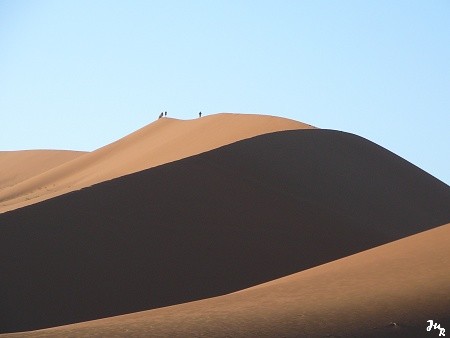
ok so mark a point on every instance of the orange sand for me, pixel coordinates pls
(162, 141)
(177, 216)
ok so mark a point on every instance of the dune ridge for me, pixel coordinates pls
(207, 225)
(17, 166)
(162, 141)
(388, 291)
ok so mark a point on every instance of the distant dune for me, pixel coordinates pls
(389, 291)
(163, 141)
(17, 166)
(221, 221)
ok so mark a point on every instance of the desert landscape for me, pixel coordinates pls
(229, 225)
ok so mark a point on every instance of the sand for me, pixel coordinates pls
(389, 291)
(18, 166)
(221, 221)
(160, 142)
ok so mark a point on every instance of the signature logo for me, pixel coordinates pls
(436, 326)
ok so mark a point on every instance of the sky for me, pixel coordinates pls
(80, 74)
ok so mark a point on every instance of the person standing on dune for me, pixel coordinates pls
(200, 114)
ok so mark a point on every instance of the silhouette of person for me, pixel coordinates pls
(165, 113)
(160, 115)
(200, 114)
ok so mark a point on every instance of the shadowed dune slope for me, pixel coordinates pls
(17, 166)
(162, 141)
(405, 282)
(207, 225)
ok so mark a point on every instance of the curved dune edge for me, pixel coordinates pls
(207, 225)
(160, 142)
(17, 166)
(390, 290)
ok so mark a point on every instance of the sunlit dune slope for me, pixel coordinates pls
(17, 166)
(207, 225)
(162, 141)
(389, 291)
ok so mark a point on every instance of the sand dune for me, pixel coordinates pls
(17, 166)
(162, 141)
(405, 282)
(207, 225)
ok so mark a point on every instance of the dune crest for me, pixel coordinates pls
(388, 291)
(162, 141)
(207, 225)
(17, 166)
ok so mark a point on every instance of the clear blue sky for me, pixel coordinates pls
(81, 74)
